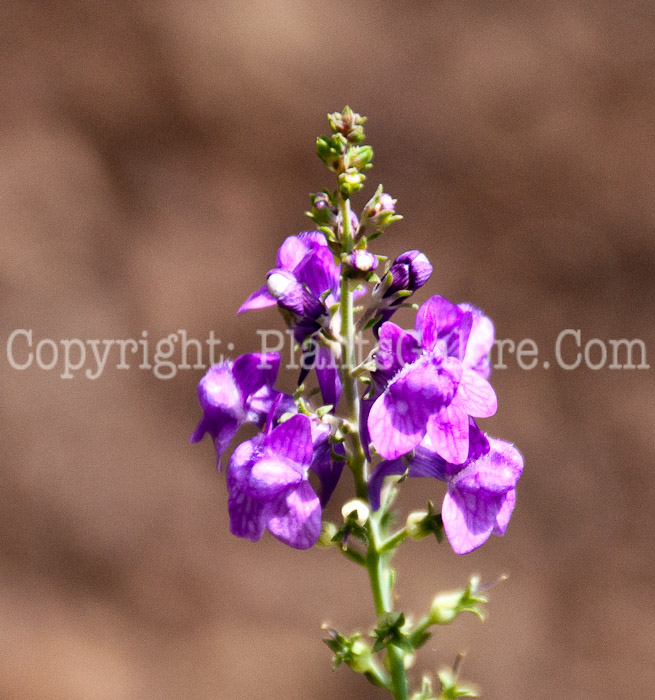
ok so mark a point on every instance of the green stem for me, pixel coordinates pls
(354, 555)
(377, 561)
(381, 585)
(392, 542)
(357, 458)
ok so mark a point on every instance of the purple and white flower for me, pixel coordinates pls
(268, 485)
(232, 394)
(424, 384)
(481, 492)
(304, 285)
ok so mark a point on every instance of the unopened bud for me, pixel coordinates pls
(328, 531)
(447, 606)
(348, 123)
(323, 212)
(416, 528)
(409, 272)
(359, 659)
(360, 157)
(351, 181)
(356, 509)
(360, 263)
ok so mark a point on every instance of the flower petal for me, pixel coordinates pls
(505, 513)
(271, 475)
(475, 395)
(428, 462)
(292, 440)
(255, 370)
(327, 374)
(397, 349)
(398, 419)
(296, 519)
(396, 427)
(247, 514)
(260, 299)
(318, 271)
(495, 473)
(327, 468)
(480, 342)
(468, 521)
(219, 390)
(449, 434)
(294, 249)
(440, 321)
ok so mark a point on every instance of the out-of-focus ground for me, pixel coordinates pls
(153, 155)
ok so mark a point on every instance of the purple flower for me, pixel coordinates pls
(423, 385)
(290, 256)
(304, 285)
(269, 487)
(481, 492)
(326, 467)
(234, 393)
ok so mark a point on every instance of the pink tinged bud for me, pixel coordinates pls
(386, 204)
(362, 261)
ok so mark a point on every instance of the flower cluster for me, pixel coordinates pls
(426, 388)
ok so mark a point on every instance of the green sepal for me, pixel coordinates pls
(324, 410)
(449, 688)
(389, 632)
(342, 647)
(336, 457)
(430, 524)
(351, 527)
(420, 638)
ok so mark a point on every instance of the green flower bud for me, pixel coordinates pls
(328, 531)
(415, 525)
(423, 523)
(360, 157)
(351, 181)
(349, 124)
(447, 606)
(359, 658)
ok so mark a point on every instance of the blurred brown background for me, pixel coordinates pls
(153, 157)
